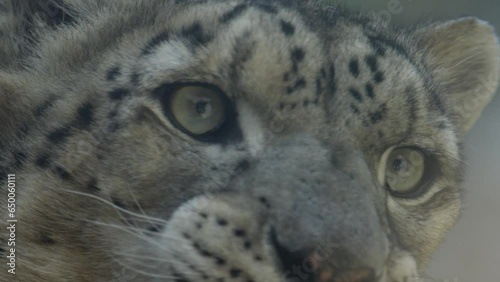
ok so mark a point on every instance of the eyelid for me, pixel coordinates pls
(381, 172)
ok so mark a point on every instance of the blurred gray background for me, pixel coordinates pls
(471, 252)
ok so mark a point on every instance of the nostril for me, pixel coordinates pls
(286, 257)
(289, 260)
(330, 270)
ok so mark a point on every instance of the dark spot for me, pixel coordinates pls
(306, 103)
(56, 13)
(60, 135)
(199, 225)
(40, 110)
(299, 84)
(379, 40)
(267, 8)
(332, 85)
(117, 202)
(258, 258)
(264, 201)
(63, 173)
(118, 94)
(235, 272)
(243, 51)
(354, 109)
(43, 161)
(323, 73)
(195, 34)
(319, 86)
(369, 90)
(287, 28)
(234, 13)
(376, 46)
(379, 115)
(354, 67)
(286, 77)
(112, 114)
(437, 102)
(177, 276)
(204, 215)
(247, 245)
(220, 261)
(85, 116)
(356, 95)
(154, 42)
(239, 232)
(46, 239)
(221, 222)
(205, 253)
(92, 186)
(113, 73)
(298, 55)
(378, 77)
(371, 62)
(242, 166)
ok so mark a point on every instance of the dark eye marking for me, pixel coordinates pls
(195, 34)
(356, 95)
(118, 94)
(154, 42)
(113, 73)
(287, 28)
(369, 90)
(354, 67)
(233, 14)
(371, 62)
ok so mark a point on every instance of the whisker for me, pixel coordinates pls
(134, 233)
(140, 208)
(142, 272)
(115, 206)
(148, 258)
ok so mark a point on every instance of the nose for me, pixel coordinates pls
(314, 270)
(323, 211)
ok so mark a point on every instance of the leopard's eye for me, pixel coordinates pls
(198, 110)
(405, 171)
(201, 110)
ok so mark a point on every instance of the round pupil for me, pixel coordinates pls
(204, 109)
(399, 164)
(198, 110)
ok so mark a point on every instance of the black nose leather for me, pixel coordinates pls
(287, 258)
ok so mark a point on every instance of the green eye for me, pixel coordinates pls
(198, 110)
(405, 171)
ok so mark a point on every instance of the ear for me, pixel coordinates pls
(464, 58)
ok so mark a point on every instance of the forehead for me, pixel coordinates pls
(336, 71)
